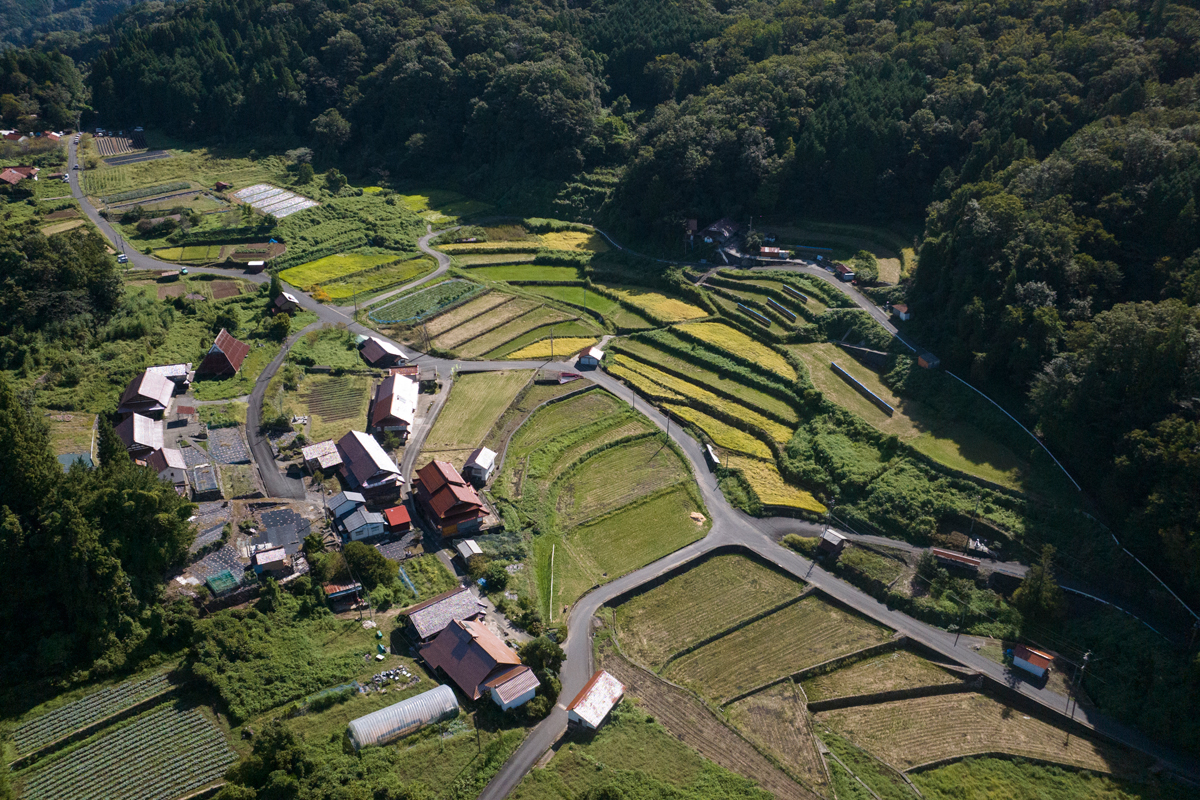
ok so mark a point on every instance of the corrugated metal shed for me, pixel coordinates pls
(401, 719)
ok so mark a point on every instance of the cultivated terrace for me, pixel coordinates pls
(597, 400)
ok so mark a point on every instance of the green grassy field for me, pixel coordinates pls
(804, 634)
(238, 479)
(525, 272)
(481, 259)
(332, 267)
(70, 432)
(370, 282)
(1005, 779)
(328, 346)
(476, 401)
(614, 477)
(423, 301)
(900, 669)
(956, 444)
(442, 205)
(204, 166)
(608, 308)
(199, 252)
(717, 593)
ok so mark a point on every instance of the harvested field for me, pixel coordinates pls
(776, 721)
(66, 213)
(660, 306)
(223, 289)
(687, 718)
(508, 246)
(656, 381)
(714, 595)
(336, 405)
(802, 635)
(615, 477)
(172, 290)
(772, 490)
(738, 343)
(513, 329)
(525, 272)
(899, 669)
(723, 436)
(476, 401)
(571, 329)
(482, 323)
(480, 259)
(563, 347)
(908, 733)
(466, 312)
(62, 227)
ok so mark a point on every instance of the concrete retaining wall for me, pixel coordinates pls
(875, 399)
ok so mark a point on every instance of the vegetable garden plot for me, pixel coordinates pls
(67, 719)
(272, 200)
(162, 755)
(424, 302)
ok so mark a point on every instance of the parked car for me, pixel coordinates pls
(122, 259)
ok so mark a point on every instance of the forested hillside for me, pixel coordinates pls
(1050, 147)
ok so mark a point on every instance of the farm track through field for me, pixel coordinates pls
(687, 718)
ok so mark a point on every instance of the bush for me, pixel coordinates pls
(496, 576)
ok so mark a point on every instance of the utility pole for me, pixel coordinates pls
(961, 618)
(551, 342)
(1078, 681)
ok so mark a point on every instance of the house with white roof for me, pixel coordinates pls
(394, 407)
(595, 700)
(367, 467)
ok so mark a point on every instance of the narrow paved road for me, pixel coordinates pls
(729, 527)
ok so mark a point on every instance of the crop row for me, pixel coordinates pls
(159, 756)
(486, 303)
(424, 302)
(149, 191)
(63, 721)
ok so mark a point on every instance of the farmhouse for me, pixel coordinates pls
(901, 312)
(397, 519)
(285, 303)
(345, 503)
(428, 619)
(394, 407)
(597, 697)
(478, 662)
(480, 465)
(148, 394)
(450, 502)
(225, 357)
(362, 524)
(179, 374)
(14, 175)
(1032, 661)
(321, 457)
(379, 353)
(169, 464)
(401, 719)
(141, 435)
(719, 231)
(367, 467)
(590, 357)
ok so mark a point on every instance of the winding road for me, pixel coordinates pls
(730, 527)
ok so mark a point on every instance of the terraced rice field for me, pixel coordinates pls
(769, 485)
(814, 303)
(658, 306)
(501, 335)
(610, 309)
(712, 596)
(559, 348)
(615, 477)
(687, 718)
(336, 405)
(196, 252)
(478, 259)
(751, 295)
(332, 267)
(802, 635)
(734, 341)
(502, 246)
(476, 401)
(775, 720)
(571, 329)
(160, 756)
(908, 733)
(483, 323)
(373, 280)
(724, 384)
(65, 720)
(729, 309)
(900, 669)
(575, 240)
(466, 312)
(558, 418)
(631, 538)
(525, 272)
(723, 436)
(62, 227)
(657, 383)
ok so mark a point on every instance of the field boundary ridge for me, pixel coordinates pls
(874, 698)
(825, 666)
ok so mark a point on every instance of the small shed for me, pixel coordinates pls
(928, 361)
(831, 542)
(843, 272)
(480, 465)
(397, 519)
(403, 718)
(950, 558)
(590, 357)
(362, 524)
(901, 312)
(322, 456)
(272, 562)
(255, 267)
(467, 548)
(341, 594)
(285, 303)
(1035, 662)
(169, 464)
(595, 700)
(205, 485)
(222, 186)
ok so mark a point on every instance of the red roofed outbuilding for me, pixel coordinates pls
(449, 501)
(225, 357)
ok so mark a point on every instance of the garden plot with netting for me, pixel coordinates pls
(162, 755)
(66, 720)
(272, 200)
(425, 302)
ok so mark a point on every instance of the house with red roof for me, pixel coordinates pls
(448, 501)
(148, 394)
(478, 662)
(14, 175)
(225, 357)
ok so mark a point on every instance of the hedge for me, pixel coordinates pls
(545, 225)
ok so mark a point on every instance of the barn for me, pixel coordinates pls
(378, 353)
(1035, 662)
(321, 457)
(225, 357)
(148, 394)
(590, 357)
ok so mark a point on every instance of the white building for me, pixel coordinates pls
(598, 697)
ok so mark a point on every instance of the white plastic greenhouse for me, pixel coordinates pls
(401, 719)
